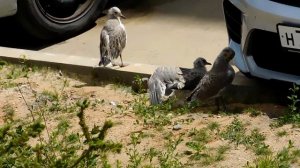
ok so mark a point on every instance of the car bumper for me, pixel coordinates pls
(243, 18)
(8, 7)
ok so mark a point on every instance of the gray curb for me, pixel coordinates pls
(76, 64)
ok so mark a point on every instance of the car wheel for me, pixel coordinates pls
(52, 19)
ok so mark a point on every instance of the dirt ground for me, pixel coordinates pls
(117, 103)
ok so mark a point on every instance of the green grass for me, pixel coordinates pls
(292, 116)
(281, 133)
(212, 126)
(283, 159)
(157, 115)
(253, 112)
(201, 152)
(166, 157)
(9, 113)
(236, 133)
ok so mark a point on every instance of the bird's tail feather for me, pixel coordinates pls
(156, 90)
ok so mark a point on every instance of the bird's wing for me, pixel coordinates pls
(123, 39)
(157, 90)
(104, 46)
(203, 84)
(172, 76)
(192, 77)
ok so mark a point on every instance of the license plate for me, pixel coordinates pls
(289, 36)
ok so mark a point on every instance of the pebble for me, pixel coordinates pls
(113, 103)
(177, 127)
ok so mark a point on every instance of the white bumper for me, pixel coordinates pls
(263, 15)
(8, 7)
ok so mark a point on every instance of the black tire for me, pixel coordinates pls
(57, 20)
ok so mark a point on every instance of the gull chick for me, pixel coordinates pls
(113, 38)
(216, 80)
(165, 80)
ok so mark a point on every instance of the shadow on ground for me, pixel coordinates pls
(13, 36)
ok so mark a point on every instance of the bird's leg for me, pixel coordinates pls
(122, 65)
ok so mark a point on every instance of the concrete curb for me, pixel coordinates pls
(76, 64)
(242, 88)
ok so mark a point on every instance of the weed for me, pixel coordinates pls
(135, 158)
(234, 132)
(63, 147)
(9, 112)
(168, 158)
(212, 126)
(283, 159)
(221, 150)
(281, 133)
(253, 112)
(198, 147)
(255, 141)
(157, 115)
(2, 64)
(151, 154)
(202, 136)
(293, 114)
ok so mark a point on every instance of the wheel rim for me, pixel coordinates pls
(64, 11)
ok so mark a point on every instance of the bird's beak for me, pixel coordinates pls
(207, 63)
(122, 16)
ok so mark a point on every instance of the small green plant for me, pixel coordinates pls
(9, 112)
(63, 148)
(283, 159)
(157, 115)
(253, 112)
(135, 158)
(294, 99)
(199, 148)
(234, 132)
(212, 126)
(169, 158)
(255, 142)
(203, 135)
(293, 114)
(281, 133)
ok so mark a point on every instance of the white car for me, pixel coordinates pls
(265, 35)
(50, 19)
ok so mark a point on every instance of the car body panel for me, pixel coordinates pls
(8, 7)
(262, 15)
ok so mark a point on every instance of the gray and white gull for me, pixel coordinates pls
(113, 38)
(216, 80)
(165, 80)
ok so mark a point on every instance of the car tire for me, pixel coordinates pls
(42, 22)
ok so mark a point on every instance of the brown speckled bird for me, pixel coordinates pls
(113, 38)
(218, 78)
